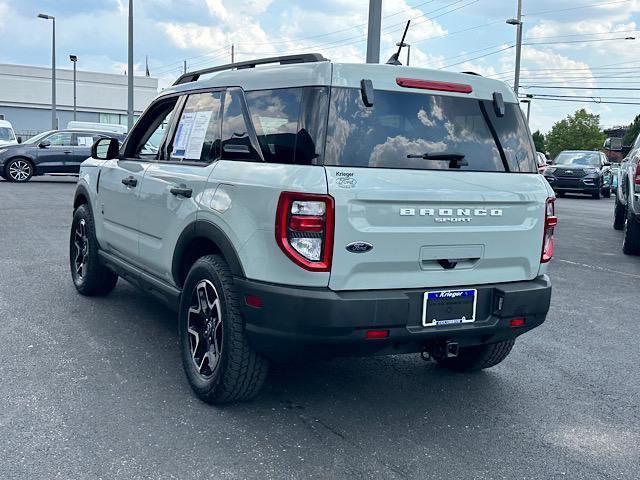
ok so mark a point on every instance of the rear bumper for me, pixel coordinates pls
(296, 321)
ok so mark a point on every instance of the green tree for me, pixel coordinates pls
(580, 131)
(632, 133)
(538, 139)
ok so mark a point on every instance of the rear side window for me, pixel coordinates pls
(197, 137)
(284, 125)
(401, 127)
(238, 138)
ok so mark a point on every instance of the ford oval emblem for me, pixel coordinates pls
(359, 247)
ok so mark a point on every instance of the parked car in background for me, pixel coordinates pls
(580, 171)
(627, 206)
(56, 151)
(7, 135)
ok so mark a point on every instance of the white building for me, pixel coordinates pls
(25, 97)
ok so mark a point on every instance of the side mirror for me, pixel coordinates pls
(44, 144)
(549, 162)
(105, 148)
(19, 139)
(606, 163)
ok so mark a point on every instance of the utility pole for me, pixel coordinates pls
(184, 70)
(518, 23)
(130, 71)
(74, 59)
(373, 32)
(232, 53)
(54, 119)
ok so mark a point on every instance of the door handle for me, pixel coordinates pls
(129, 182)
(181, 191)
(67, 151)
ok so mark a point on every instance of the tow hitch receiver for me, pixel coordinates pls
(452, 349)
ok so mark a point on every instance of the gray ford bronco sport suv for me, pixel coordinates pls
(292, 206)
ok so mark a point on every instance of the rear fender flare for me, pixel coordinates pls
(213, 233)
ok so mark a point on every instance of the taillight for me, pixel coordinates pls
(637, 179)
(550, 221)
(304, 229)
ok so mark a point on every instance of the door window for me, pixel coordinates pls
(61, 139)
(147, 139)
(197, 135)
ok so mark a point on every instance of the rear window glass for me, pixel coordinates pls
(402, 126)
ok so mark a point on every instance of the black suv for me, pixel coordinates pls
(580, 171)
(56, 151)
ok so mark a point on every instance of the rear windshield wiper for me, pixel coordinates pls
(456, 160)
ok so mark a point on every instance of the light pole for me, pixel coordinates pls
(518, 23)
(74, 59)
(54, 119)
(404, 44)
(130, 71)
(373, 31)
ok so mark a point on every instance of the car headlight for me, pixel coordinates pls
(591, 170)
(550, 170)
(2, 150)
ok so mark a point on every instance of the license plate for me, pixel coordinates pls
(449, 307)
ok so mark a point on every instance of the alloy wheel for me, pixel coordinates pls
(81, 244)
(204, 326)
(20, 170)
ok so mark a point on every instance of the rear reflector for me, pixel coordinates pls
(376, 334)
(253, 301)
(517, 322)
(433, 85)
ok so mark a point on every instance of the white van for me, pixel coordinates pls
(100, 127)
(7, 135)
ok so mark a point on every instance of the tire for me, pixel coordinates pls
(471, 359)
(618, 215)
(596, 195)
(631, 241)
(227, 369)
(606, 193)
(18, 170)
(89, 276)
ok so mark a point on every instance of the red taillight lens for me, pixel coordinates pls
(433, 85)
(550, 221)
(304, 229)
(637, 179)
(517, 322)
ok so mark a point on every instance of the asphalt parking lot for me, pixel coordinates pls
(93, 388)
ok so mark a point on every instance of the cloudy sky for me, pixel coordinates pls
(568, 43)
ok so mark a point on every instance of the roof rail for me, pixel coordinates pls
(283, 60)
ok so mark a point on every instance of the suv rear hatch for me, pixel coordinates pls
(431, 189)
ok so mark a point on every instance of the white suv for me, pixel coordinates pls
(292, 207)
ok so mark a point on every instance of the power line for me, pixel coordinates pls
(586, 101)
(579, 88)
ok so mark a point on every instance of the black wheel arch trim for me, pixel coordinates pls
(81, 190)
(210, 231)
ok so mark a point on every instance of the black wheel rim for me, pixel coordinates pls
(81, 249)
(20, 170)
(204, 329)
